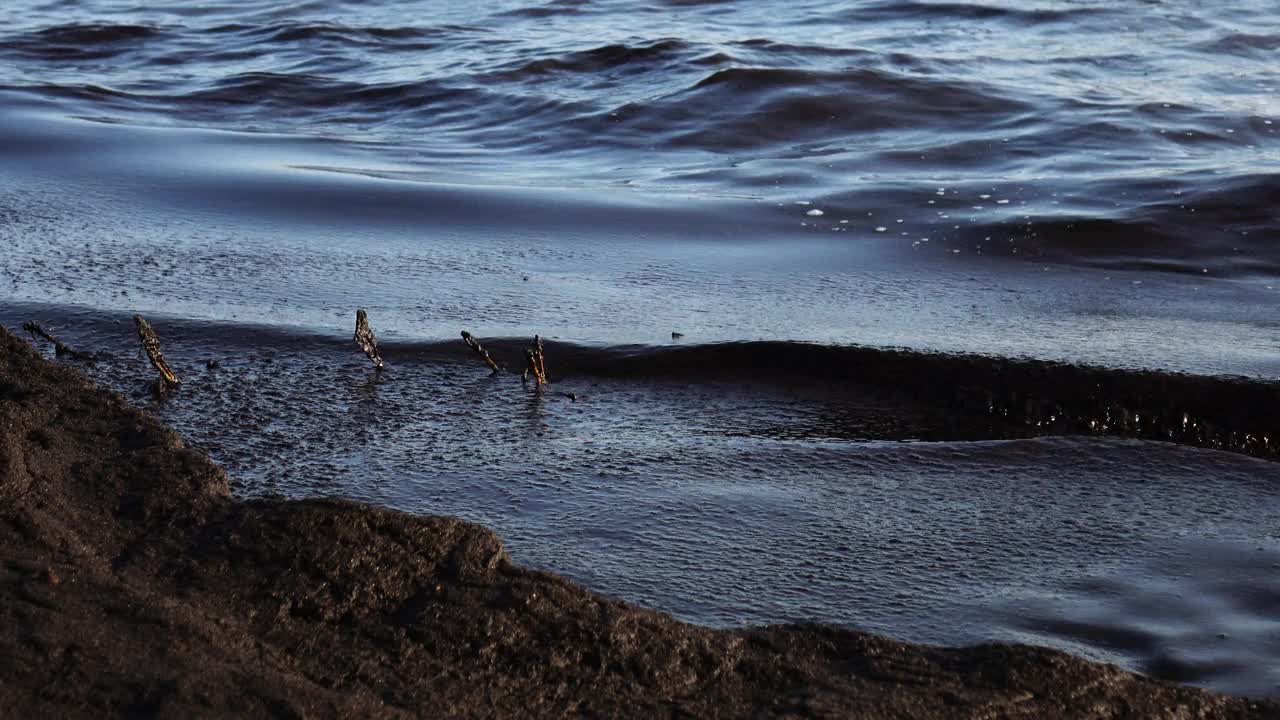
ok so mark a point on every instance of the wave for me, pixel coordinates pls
(1231, 413)
(92, 41)
(1220, 225)
(928, 11)
(601, 59)
(1227, 230)
(310, 34)
(551, 9)
(1258, 46)
(739, 108)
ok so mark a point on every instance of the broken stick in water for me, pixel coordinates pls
(58, 347)
(535, 362)
(365, 339)
(529, 367)
(541, 359)
(484, 354)
(151, 344)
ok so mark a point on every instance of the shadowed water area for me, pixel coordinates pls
(794, 188)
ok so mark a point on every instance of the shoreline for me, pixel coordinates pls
(138, 586)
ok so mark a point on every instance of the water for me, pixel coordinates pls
(1070, 181)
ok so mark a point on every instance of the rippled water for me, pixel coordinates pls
(1080, 181)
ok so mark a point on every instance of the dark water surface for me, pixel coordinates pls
(1090, 182)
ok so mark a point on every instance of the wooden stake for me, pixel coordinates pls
(151, 344)
(541, 358)
(484, 354)
(365, 340)
(535, 363)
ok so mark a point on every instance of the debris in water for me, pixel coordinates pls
(365, 339)
(484, 354)
(59, 348)
(535, 362)
(151, 344)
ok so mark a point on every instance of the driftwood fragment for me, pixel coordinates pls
(471, 342)
(365, 340)
(541, 359)
(151, 344)
(59, 348)
(535, 362)
(530, 367)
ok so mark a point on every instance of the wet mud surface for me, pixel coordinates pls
(136, 586)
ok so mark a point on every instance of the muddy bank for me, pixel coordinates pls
(133, 585)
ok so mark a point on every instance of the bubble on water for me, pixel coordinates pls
(881, 228)
(814, 212)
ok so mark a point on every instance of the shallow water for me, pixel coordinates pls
(1078, 181)
(731, 497)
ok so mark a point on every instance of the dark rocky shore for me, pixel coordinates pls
(133, 585)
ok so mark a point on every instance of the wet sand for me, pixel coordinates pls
(137, 586)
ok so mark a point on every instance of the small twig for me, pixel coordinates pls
(539, 360)
(365, 340)
(59, 348)
(151, 344)
(484, 354)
